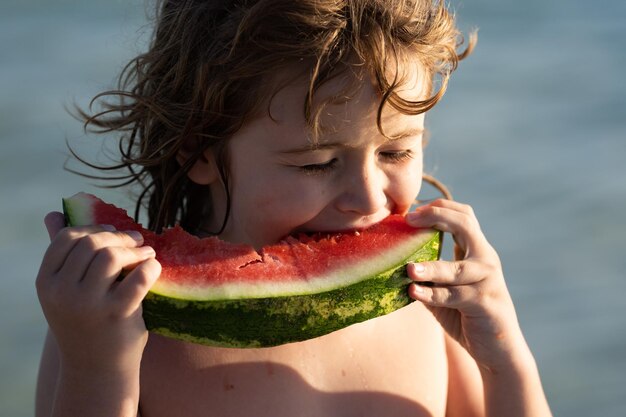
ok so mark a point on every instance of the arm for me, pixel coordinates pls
(470, 299)
(90, 363)
(47, 378)
(515, 390)
(63, 394)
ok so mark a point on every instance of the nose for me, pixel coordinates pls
(363, 190)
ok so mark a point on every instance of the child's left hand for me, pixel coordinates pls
(468, 296)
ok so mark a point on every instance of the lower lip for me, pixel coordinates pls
(350, 230)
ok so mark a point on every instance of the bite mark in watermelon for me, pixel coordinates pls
(223, 294)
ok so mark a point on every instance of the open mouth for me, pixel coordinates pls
(315, 236)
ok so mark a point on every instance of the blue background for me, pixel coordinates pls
(532, 133)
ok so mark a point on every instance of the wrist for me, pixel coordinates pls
(512, 360)
(503, 350)
(112, 374)
(515, 390)
(101, 393)
(519, 371)
(107, 364)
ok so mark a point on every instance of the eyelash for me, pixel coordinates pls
(392, 157)
(319, 168)
(399, 156)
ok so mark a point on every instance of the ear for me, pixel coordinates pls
(204, 171)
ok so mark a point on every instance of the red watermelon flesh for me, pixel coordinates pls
(209, 268)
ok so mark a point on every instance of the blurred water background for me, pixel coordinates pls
(532, 133)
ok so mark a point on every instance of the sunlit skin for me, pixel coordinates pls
(99, 359)
(352, 178)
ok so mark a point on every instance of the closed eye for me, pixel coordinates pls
(396, 157)
(319, 168)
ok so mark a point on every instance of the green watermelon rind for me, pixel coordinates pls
(272, 321)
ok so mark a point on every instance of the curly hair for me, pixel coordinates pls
(207, 71)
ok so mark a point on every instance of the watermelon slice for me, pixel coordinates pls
(222, 294)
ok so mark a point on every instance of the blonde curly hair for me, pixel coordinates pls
(206, 70)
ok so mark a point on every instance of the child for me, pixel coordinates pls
(253, 120)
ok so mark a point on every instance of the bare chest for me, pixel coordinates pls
(391, 366)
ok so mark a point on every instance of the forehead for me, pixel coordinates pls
(349, 98)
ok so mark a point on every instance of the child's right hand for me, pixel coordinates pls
(96, 319)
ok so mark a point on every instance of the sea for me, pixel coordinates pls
(531, 133)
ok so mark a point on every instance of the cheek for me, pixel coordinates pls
(284, 198)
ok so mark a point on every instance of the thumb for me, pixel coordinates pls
(54, 222)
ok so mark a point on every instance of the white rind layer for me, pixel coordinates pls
(80, 209)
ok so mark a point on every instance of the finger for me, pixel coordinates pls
(108, 264)
(133, 289)
(62, 244)
(459, 253)
(464, 227)
(445, 273)
(54, 222)
(87, 247)
(456, 297)
(454, 205)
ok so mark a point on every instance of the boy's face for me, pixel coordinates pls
(354, 178)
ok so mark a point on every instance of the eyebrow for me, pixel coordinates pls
(315, 147)
(408, 133)
(334, 145)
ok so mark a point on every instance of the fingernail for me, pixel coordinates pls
(147, 251)
(418, 288)
(418, 268)
(108, 227)
(413, 217)
(135, 235)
